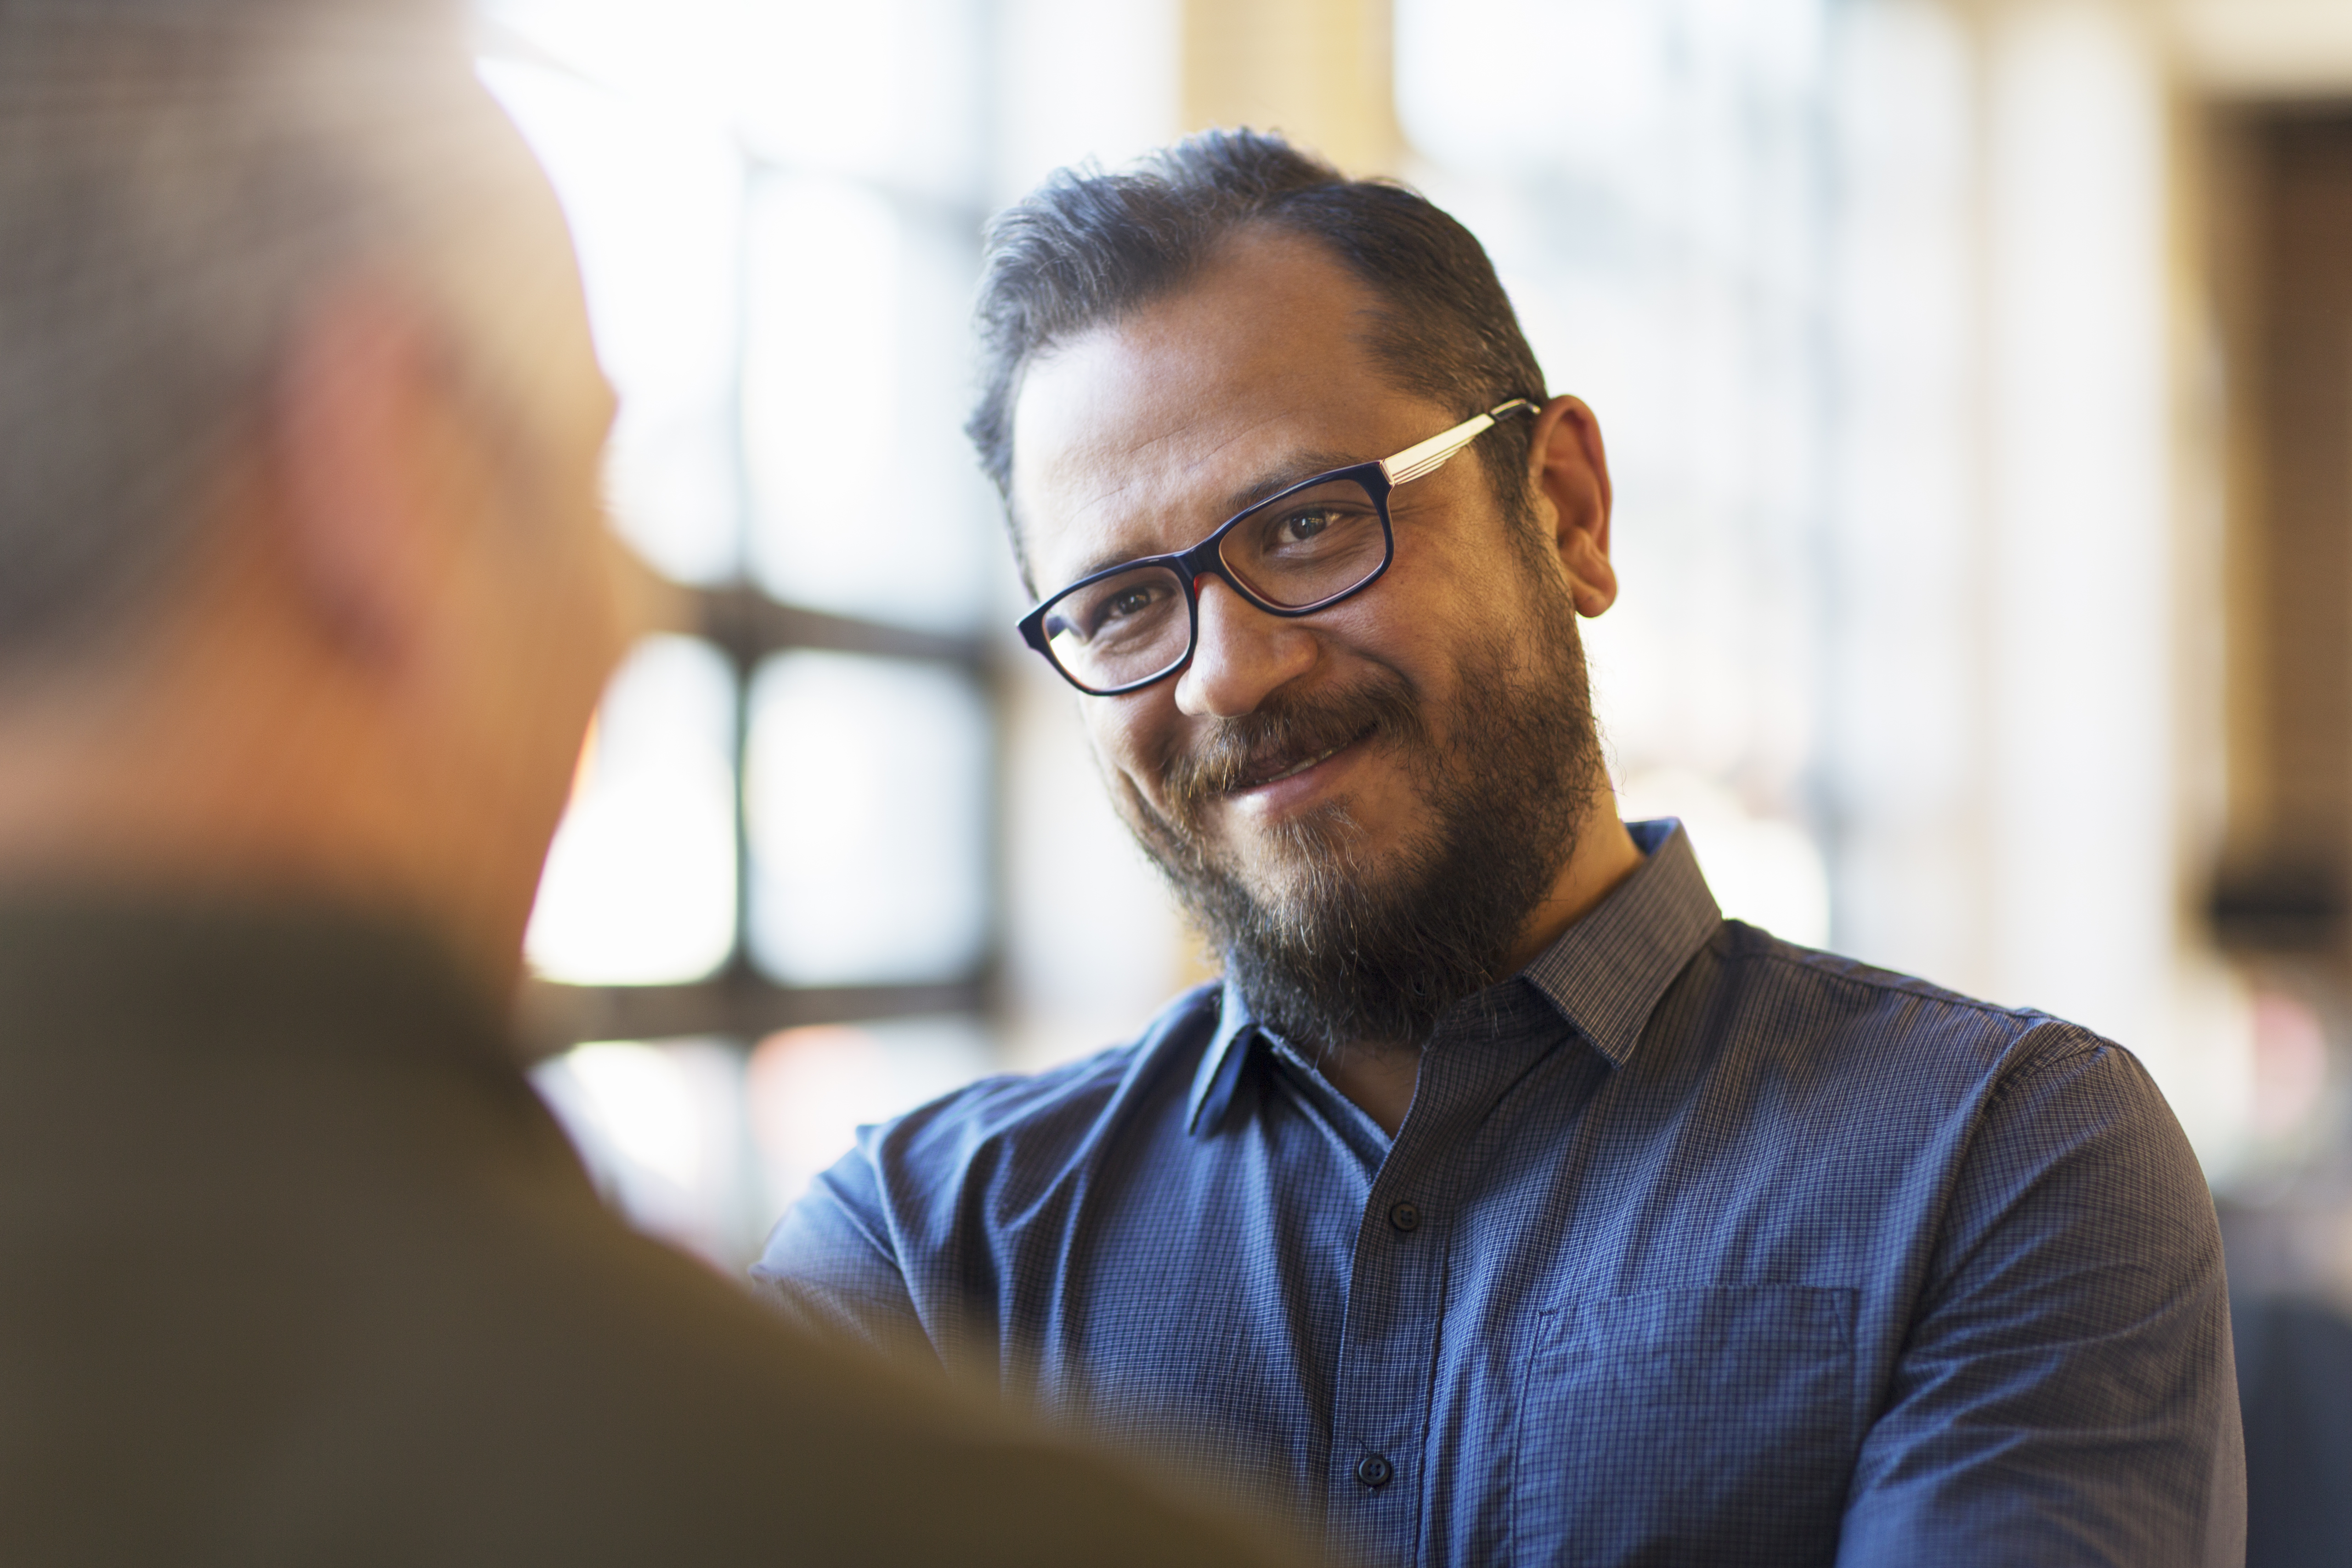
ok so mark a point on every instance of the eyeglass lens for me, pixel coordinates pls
(1295, 552)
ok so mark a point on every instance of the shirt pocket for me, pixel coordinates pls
(1686, 1426)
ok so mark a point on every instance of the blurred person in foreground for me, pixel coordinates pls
(304, 603)
(1504, 1202)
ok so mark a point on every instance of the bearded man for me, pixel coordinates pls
(1504, 1202)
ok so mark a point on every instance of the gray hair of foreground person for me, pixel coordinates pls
(179, 181)
(1086, 248)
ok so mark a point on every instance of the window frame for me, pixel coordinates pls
(749, 624)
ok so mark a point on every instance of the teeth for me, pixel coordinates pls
(1300, 767)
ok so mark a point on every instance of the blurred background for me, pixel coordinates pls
(1977, 380)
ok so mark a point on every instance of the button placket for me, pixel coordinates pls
(1395, 1316)
(1379, 1405)
(1380, 1410)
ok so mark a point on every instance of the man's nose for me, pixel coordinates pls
(1243, 654)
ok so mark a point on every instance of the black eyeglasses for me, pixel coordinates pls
(1321, 541)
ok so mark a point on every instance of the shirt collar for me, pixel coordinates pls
(1221, 1065)
(1603, 975)
(1607, 970)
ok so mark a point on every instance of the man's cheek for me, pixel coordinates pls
(1123, 754)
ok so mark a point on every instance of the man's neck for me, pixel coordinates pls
(1605, 855)
(1381, 1081)
(189, 786)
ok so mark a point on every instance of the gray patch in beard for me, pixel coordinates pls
(1343, 959)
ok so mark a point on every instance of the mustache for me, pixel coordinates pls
(1238, 752)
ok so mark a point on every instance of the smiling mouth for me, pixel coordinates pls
(1277, 769)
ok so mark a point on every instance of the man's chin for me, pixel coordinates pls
(1295, 859)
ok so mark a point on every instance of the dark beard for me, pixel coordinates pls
(1344, 957)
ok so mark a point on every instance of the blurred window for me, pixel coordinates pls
(1652, 180)
(865, 803)
(809, 1090)
(856, 336)
(782, 828)
(640, 888)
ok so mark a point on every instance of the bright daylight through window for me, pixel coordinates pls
(780, 832)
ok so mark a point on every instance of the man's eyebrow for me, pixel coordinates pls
(1293, 470)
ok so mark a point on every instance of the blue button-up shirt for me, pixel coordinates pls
(1695, 1248)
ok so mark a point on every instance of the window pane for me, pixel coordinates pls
(640, 883)
(883, 89)
(660, 1127)
(866, 793)
(810, 1089)
(655, 202)
(864, 500)
(1661, 210)
(886, 90)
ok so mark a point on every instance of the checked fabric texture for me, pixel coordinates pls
(1696, 1248)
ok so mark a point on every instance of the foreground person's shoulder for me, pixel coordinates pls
(640, 1408)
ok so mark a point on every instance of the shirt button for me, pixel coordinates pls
(1404, 1217)
(1374, 1471)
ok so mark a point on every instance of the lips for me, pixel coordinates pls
(1287, 735)
(1275, 769)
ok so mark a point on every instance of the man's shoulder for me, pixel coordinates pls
(1821, 1000)
(1063, 1104)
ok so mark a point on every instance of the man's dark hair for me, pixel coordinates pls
(1086, 248)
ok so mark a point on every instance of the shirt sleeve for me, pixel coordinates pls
(830, 1267)
(2067, 1394)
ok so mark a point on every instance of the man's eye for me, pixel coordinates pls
(1134, 601)
(1301, 526)
(1127, 604)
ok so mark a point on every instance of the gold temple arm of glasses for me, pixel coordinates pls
(1426, 457)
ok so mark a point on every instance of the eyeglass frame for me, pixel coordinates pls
(1204, 559)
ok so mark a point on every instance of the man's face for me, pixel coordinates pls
(1307, 782)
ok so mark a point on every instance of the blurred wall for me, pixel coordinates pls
(1320, 70)
(2023, 692)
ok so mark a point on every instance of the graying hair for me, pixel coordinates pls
(178, 181)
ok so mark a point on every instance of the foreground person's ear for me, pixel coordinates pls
(372, 469)
(1568, 468)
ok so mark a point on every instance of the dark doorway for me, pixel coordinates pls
(2280, 190)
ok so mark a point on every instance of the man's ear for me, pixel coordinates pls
(1569, 468)
(369, 467)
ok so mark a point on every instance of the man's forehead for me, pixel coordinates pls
(1102, 424)
(1174, 405)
